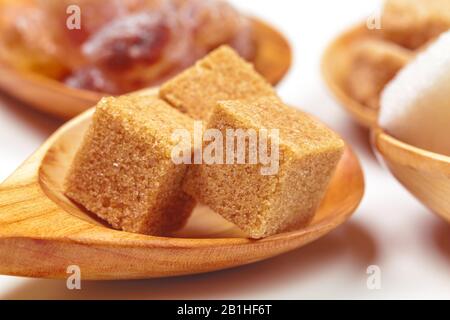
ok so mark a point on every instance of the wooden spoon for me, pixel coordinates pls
(42, 232)
(425, 174)
(273, 60)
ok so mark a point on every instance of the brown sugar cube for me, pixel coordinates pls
(123, 171)
(413, 23)
(222, 75)
(374, 64)
(265, 203)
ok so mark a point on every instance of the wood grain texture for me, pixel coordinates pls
(273, 60)
(336, 63)
(425, 174)
(42, 232)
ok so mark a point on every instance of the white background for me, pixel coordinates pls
(390, 229)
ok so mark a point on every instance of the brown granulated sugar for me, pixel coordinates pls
(123, 171)
(263, 205)
(222, 75)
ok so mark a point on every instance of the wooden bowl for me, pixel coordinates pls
(273, 60)
(42, 232)
(336, 63)
(425, 174)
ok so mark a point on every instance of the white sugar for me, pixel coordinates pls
(415, 105)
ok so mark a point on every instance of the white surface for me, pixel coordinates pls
(418, 100)
(390, 229)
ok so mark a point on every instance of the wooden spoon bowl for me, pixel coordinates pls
(273, 59)
(336, 64)
(425, 174)
(42, 232)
